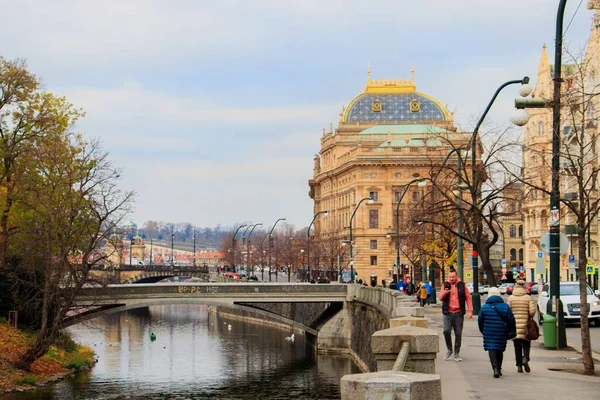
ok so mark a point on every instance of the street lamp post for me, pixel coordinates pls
(475, 190)
(172, 245)
(370, 201)
(243, 244)
(406, 187)
(325, 212)
(271, 245)
(194, 239)
(248, 246)
(151, 255)
(233, 246)
(556, 308)
(131, 250)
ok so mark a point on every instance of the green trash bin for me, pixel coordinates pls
(549, 329)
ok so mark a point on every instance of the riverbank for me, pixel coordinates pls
(61, 360)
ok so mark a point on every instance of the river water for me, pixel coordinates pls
(195, 356)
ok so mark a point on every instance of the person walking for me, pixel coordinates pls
(409, 287)
(523, 308)
(429, 292)
(456, 301)
(422, 293)
(496, 321)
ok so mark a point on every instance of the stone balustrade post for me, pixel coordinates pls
(424, 345)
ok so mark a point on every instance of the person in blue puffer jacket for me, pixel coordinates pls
(496, 320)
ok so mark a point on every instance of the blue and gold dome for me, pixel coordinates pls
(394, 101)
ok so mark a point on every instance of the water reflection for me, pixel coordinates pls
(195, 356)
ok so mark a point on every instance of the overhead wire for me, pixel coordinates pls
(572, 18)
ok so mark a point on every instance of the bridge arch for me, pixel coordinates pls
(116, 308)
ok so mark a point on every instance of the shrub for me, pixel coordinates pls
(3, 320)
(65, 341)
(26, 380)
(78, 362)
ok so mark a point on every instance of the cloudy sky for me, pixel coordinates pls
(214, 109)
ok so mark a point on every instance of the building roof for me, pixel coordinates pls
(395, 101)
(403, 129)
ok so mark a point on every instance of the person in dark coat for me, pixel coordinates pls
(496, 320)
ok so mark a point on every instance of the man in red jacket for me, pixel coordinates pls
(455, 298)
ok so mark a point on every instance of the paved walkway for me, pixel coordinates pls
(472, 378)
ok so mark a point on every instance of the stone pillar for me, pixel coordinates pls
(391, 385)
(424, 345)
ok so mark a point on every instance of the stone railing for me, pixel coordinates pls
(407, 342)
(390, 302)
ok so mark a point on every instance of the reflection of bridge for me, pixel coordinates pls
(147, 273)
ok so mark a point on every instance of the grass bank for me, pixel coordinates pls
(61, 360)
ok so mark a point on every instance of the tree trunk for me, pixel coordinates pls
(486, 265)
(586, 345)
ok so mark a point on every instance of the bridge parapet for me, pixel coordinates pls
(391, 302)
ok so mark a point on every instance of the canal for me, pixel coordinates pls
(196, 355)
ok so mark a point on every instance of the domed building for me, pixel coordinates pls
(387, 136)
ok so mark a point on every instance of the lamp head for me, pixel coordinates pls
(520, 117)
(326, 213)
(422, 183)
(525, 90)
(370, 201)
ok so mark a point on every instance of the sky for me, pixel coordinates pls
(214, 109)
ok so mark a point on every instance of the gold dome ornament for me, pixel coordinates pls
(376, 106)
(415, 106)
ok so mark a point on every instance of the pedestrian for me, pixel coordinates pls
(429, 292)
(422, 293)
(496, 323)
(409, 287)
(523, 308)
(456, 302)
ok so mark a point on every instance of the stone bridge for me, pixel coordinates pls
(335, 317)
(146, 273)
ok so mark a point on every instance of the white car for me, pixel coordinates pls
(502, 288)
(569, 296)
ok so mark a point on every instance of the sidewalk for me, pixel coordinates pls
(472, 378)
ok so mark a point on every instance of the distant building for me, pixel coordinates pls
(387, 136)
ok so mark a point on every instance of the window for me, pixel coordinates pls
(513, 231)
(416, 175)
(374, 196)
(520, 254)
(373, 218)
(373, 245)
(591, 112)
(415, 196)
(521, 232)
(397, 196)
(373, 260)
(513, 255)
(540, 128)
(398, 175)
(373, 175)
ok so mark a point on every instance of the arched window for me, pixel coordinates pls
(520, 254)
(540, 128)
(513, 254)
(520, 231)
(513, 231)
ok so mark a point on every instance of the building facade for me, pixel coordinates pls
(387, 136)
(538, 151)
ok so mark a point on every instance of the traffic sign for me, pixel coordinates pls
(572, 258)
(514, 270)
(504, 277)
(589, 270)
(346, 275)
(521, 268)
(504, 262)
(469, 275)
(540, 254)
(545, 243)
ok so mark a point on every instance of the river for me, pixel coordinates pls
(195, 356)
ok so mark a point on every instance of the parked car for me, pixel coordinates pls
(509, 288)
(529, 285)
(470, 287)
(569, 295)
(483, 289)
(533, 289)
(232, 275)
(502, 288)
